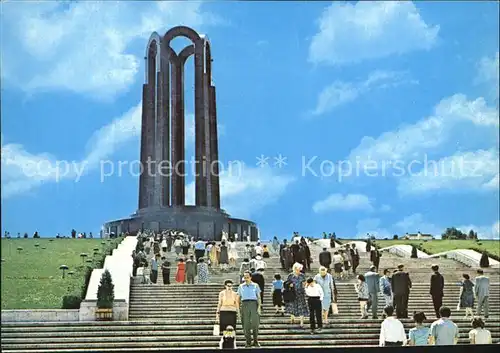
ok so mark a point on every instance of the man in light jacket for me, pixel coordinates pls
(482, 291)
(191, 270)
(372, 281)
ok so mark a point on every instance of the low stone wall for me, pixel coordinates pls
(468, 257)
(89, 307)
(36, 315)
(404, 251)
(119, 265)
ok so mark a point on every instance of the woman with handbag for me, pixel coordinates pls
(227, 308)
(298, 306)
(467, 296)
(327, 284)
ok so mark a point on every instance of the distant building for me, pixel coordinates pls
(418, 236)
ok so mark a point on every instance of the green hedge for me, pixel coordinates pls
(74, 299)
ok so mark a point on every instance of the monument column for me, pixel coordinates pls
(214, 149)
(162, 137)
(200, 141)
(148, 166)
(177, 133)
(143, 176)
(165, 135)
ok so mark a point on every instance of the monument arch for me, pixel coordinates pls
(162, 196)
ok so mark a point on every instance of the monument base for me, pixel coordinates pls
(204, 223)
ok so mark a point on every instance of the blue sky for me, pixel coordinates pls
(356, 96)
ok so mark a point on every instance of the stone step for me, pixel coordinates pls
(147, 349)
(147, 315)
(152, 325)
(303, 336)
(207, 330)
(311, 341)
(353, 309)
(180, 289)
(199, 288)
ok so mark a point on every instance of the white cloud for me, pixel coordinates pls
(23, 171)
(51, 46)
(340, 93)
(461, 172)
(412, 141)
(245, 190)
(488, 74)
(339, 202)
(371, 226)
(107, 140)
(416, 223)
(350, 33)
(483, 232)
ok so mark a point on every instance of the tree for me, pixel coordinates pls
(485, 261)
(453, 234)
(105, 291)
(395, 237)
(472, 235)
(414, 253)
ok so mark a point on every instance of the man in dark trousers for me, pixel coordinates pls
(354, 257)
(294, 248)
(375, 257)
(401, 285)
(325, 258)
(165, 270)
(307, 255)
(283, 246)
(436, 291)
(258, 278)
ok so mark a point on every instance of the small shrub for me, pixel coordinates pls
(414, 253)
(105, 291)
(71, 302)
(485, 261)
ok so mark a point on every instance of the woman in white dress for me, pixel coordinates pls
(233, 254)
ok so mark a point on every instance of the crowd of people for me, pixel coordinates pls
(194, 258)
(303, 295)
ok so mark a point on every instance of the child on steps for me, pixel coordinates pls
(278, 295)
(228, 339)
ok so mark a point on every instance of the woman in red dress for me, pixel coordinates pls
(180, 277)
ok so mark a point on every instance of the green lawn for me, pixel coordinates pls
(31, 278)
(437, 246)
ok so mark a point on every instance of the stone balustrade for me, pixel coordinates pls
(468, 257)
(119, 264)
(404, 250)
(38, 315)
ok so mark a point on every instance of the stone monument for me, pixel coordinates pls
(162, 151)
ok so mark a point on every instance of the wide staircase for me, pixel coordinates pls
(181, 316)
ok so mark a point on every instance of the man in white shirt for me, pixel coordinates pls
(259, 263)
(392, 331)
(258, 249)
(315, 295)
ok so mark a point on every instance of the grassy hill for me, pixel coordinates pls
(437, 246)
(31, 278)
